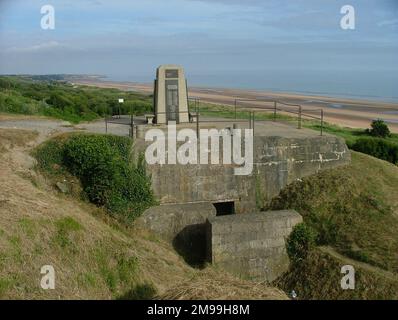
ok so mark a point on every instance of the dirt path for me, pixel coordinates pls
(348, 261)
(47, 127)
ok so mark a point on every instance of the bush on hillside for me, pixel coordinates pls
(300, 242)
(378, 148)
(102, 164)
(61, 100)
(379, 129)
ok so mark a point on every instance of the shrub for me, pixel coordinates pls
(42, 95)
(300, 242)
(379, 129)
(378, 148)
(103, 165)
(49, 155)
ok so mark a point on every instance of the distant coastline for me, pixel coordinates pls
(349, 112)
(231, 85)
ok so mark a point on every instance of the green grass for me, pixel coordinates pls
(66, 227)
(350, 135)
(319, 277)
(5, 284)
(223, 111)
(28, 227)
(117, 270)
(58, 99)
(144, 291)
(354, 210)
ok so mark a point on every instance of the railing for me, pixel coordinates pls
(249, 116)
(121, 119)
(299, 111)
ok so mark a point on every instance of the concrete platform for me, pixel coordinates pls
(287, 129)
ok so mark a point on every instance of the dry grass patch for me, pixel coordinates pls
(216, 285)
(10, 138)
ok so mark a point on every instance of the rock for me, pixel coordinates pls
(66, 124)
(63, 187)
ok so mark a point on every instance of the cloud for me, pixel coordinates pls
(46, 46)
(393, 22)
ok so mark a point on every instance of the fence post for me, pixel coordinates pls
(299, 118)
(235, 108)
(132, 126)
(274, 110)
(250, 120)
(197, 125)
(253, 121)
(321, 122)
(106, 125)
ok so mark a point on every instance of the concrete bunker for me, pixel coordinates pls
(196, 213)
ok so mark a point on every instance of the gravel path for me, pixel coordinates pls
(49, 127)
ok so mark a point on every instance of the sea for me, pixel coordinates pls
(371, 85)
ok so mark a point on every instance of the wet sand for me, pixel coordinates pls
(341, 111)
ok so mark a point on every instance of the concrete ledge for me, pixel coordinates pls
(251, 245)
(169, 220)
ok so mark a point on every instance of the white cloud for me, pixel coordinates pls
(392, 22)
(35, 48)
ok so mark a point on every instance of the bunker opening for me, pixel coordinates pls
(224, 208)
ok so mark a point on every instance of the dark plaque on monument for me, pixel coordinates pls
(172, 73)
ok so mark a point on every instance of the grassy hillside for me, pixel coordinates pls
(24, 95)
(354, 210)
(350, 135)
(94, 256)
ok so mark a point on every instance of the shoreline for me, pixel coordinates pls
(345, 112)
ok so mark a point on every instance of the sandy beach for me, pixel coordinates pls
(340, 111)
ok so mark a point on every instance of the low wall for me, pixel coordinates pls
(251, 245)
(184, 225)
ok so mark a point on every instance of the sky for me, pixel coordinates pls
(287, 45)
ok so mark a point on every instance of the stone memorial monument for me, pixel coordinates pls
(170, 95)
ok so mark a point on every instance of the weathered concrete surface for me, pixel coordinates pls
(251, 245)
(168, 221)
(279, 159)
(184, 225)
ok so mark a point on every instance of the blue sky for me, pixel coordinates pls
(292, 45)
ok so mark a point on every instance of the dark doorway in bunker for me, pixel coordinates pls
(224, 208)
(190, 243)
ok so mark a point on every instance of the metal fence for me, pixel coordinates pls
(121, 119)
(277, 108)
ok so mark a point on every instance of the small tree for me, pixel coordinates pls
(379, 129)
(300, 242)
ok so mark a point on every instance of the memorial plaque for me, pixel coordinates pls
(172, 73)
